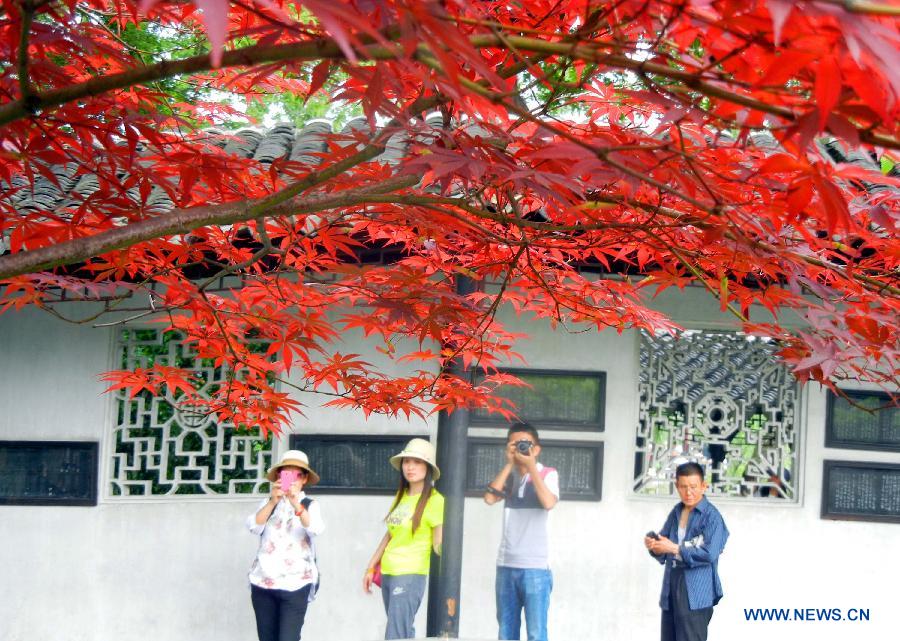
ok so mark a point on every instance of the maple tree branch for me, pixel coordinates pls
(320, 49)
(684, 220)
(690, 80)
(690, 160)
(603, 154)
(224, 332)
(180, 221)
(327, 48)
(183, 220)
(695, 82)
(432, 202)
(702, 277)
(872, 284)
(125, 321)
(48, 306)
(491, 312)
(26, 10)
(257, 256)
(864, 7)
(557, 305)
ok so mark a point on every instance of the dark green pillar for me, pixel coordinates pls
(446, 570)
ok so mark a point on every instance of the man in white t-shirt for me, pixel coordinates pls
(530, 490)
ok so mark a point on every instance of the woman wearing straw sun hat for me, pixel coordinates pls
(284, 576)
(414, 528)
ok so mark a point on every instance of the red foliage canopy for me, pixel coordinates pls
(672, 141)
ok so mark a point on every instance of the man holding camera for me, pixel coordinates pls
(530, 491)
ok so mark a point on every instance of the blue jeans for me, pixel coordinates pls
(523, 588)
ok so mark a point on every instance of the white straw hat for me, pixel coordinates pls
(418, 448)
(297, 459)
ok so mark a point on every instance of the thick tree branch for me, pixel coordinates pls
(27, 17)
(321, 49)
(864, 7)
(326, 48)
(182, 221)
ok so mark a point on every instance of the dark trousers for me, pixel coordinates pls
(279, 613)
(679, 622)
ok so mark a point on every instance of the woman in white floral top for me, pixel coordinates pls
(284, 574)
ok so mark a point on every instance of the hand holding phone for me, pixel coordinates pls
(653, 535)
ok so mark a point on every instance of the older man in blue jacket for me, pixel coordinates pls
(689, 545)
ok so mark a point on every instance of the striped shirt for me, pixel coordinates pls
(704, 541)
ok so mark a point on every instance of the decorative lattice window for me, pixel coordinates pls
(723, 400)
(161, 448)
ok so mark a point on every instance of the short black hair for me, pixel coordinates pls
(690, 469)
(524, 427)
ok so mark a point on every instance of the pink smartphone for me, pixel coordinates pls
(287, 478)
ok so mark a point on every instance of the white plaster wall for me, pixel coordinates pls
(126, 571)
(48, 377)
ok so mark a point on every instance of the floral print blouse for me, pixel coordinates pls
(285, 559)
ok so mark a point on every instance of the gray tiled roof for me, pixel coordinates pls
(283, 140)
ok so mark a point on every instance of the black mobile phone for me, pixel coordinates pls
(653, 535)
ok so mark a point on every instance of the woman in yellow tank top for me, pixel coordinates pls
(414, 528)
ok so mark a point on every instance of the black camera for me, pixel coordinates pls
(524, 446)
(653, 535)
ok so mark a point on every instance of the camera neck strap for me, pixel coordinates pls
(524, 479)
